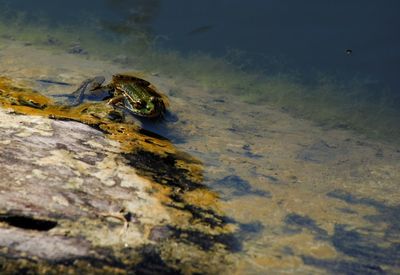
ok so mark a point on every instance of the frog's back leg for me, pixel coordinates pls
(86, 86)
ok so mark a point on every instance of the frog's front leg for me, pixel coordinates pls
(88, 85)
(115, 100)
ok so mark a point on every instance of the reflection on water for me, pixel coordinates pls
(317, 196)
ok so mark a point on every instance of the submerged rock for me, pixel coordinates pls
(76, 48)
(80, 192)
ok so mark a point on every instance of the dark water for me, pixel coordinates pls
(304, 36)
(355, 43)
(343, 57)
(292, 35)
(345, 40)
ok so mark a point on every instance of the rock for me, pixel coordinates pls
(77, 49)
(82, 193)
(52, 41)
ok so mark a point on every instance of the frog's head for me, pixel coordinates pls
(151, 108)
(158, 108)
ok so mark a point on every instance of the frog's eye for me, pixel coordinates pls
(139, 104)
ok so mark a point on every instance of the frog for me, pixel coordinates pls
(130, 93)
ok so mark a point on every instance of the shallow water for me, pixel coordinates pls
(320, 193)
